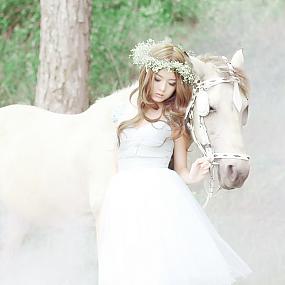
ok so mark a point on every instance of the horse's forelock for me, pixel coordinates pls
(222, 68)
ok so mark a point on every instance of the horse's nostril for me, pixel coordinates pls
(231, 172)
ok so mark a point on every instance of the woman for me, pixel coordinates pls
(152, 231)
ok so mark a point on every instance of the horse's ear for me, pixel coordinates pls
(198, 66)
(238, 59)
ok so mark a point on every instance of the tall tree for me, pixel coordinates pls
(64, 56)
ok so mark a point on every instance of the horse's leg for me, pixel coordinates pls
(14, 229)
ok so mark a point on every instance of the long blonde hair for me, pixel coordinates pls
(174, 107)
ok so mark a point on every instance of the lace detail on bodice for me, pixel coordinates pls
(149, 145)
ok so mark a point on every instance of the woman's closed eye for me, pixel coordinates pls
(170, 83)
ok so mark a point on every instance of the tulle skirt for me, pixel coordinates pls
(152, 231)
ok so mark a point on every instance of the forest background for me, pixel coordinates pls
(117, 26)
(252, 219)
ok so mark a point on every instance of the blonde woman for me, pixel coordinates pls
(152, 231)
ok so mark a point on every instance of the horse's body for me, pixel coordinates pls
(55, 167)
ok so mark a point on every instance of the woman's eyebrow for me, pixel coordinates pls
(173, 79)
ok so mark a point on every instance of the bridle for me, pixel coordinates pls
(200, 100)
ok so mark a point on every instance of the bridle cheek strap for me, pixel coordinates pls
(204, 144)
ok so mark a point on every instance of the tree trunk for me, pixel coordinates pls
(64, 56)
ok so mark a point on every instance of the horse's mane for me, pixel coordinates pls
(118, 97)
(222, 68)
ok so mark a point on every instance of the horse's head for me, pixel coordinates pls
(218, 113)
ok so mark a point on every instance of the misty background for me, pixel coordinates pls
(250, 219)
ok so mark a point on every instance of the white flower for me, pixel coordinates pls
(141, 56)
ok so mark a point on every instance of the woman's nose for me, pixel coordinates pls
(162, 86)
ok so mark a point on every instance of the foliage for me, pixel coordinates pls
(19, 49)
(117, 25)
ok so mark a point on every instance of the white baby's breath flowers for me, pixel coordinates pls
(141, 57)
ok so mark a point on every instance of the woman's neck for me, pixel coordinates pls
(153, 113)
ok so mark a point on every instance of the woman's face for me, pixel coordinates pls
(164, 85)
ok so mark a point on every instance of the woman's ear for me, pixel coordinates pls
(238, 59)
(199, 66)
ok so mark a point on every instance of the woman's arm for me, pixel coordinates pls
(199, 169)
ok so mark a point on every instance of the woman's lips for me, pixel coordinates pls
(158, 94)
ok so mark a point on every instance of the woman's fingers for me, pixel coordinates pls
(202, 160)
(206, 164)
(205, 171)
(200, 168)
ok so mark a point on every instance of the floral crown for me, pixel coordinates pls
(141, 56)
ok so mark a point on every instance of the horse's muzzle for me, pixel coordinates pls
(232, 173)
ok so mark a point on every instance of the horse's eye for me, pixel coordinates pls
(212, 109)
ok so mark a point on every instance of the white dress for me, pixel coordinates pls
(152, 231)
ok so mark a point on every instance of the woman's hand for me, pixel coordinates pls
(199, 169)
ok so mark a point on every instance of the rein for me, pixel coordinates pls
(200, 100)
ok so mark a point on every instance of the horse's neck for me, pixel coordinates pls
(105, 106)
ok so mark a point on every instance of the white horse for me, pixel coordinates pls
(56, 167)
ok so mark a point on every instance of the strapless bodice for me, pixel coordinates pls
(149, 145)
